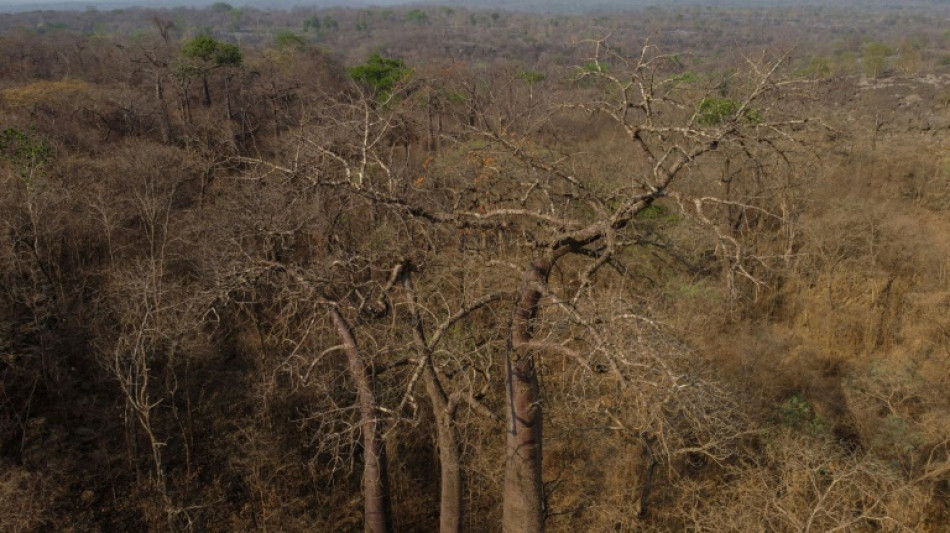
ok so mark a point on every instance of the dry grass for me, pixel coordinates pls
(43, 92)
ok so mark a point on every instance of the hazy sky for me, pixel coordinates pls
(206, 2)
(200, 3)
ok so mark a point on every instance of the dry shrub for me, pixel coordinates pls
(872, 294)
(901, 409)
(861, 345)
(798, 483)
(23, 499)
(44, 92)
(626, 430)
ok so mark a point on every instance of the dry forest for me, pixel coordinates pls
(417, 269)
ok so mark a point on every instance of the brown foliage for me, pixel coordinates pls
(726, 321)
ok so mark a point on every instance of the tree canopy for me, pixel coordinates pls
(380, 74)
(208, 49)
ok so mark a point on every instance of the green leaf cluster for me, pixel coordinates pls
(288, 39)
(311, 23)
(417, 15)
(817, 68)
(24, 152)
(875, 58)
(381, 74)
(659, 213)
(211, 50)
(686, 78)
(595, 66)
(796, 412)
(532, 77)
(716, 110)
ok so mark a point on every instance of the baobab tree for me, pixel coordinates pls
(644, 156)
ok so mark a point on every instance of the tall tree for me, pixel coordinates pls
(376, 499)
(207, 54)
(510, 184)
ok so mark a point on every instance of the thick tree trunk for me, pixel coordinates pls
(450, 471)
(229, 112)
(523, 498)
(376, 503)
(450, 501)
(184, 103)
(164, 121)
(207, 90)
(523, 507)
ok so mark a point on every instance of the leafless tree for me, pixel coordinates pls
(532, 194)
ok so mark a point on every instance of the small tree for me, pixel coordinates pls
(288, 39)
(208, 54)
(25, 153)
(215, 52)
(875, 58)
(380, 74)
(312, 23)
(417, 15)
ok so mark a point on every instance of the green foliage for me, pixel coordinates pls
(24, 152)
(201, 47)
(288, 39)
(686, 78)
(228, 54)
(208, 49)
(455, 97)
(588, 74)
(817, 68)
(222, 7)
(716, 110)
(381, 74)
(532, 77)
(417, 15)
(875, 57)
(877, 48)
(311, 23)
(797, 413)
(330, 23)
(595, 66)
(658, 212)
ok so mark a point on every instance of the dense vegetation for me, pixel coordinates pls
(420, 269)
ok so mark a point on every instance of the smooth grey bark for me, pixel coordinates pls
(450, 472)
(376, 500)
(451, 490)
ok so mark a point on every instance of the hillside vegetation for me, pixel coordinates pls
(438, 269)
